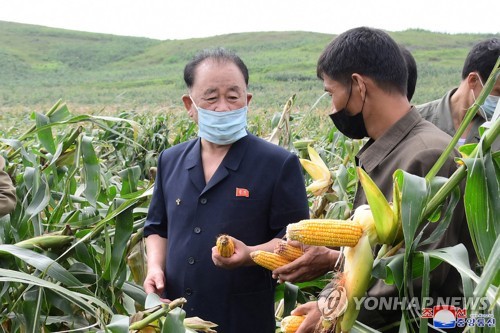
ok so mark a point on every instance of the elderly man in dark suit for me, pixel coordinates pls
(227, 181)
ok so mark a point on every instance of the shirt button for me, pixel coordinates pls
(197, 230)
(191, 260)
(203, 201)
(188, 291)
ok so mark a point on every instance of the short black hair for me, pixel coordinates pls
(411, 66)
(219, 54)
(366, 51)
(481, 58)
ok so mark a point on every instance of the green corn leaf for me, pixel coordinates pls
(453, 201)
(174, 322)
(42, 263)
(481, 218)
(391, 269)
(135, 292)
(39, 201)
(118, 324)
(290, 299)
(91, 171)
(60, 114)
(45, 135)
(491, 271)
(130, 179)
(425, 288)
(85, 302)
(123, 231)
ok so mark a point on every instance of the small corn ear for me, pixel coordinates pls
(288, 251)
(268, 260)
(290, 324)
(325, 232)
(225, 246)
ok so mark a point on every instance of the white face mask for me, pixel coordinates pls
(222, 127)
(489, 105)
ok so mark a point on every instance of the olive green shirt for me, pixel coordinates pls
(438, 112)
(413, 145)
(7, 191)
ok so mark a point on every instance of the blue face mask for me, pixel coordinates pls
(222, 127)
(490, 103)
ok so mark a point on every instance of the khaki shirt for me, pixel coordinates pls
(7, 191)
(438, 112)
(414, 145)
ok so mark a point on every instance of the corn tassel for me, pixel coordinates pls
(225, 246)
(325, 232)
(268, 260)
(288, 251)
(290, 324)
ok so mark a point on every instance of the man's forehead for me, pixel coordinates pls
(214, 89)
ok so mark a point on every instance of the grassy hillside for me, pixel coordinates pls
(39, 65)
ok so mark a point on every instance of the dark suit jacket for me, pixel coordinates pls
(191, 214)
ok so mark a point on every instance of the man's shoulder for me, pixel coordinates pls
(432, 109)
(266, 148)
(178, 149)
(427, 110)
(427, 136)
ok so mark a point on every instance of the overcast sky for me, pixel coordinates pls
(180, 19)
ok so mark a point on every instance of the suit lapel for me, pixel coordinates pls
(231, 161)
(195, 168)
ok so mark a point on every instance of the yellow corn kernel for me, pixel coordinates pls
(290, 324)
(325, 232)
(287, 251)
(225, 246)
(268, 260)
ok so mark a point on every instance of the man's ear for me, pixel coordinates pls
(249, 98)
(188, 103)
(360, 83)
(473, 80)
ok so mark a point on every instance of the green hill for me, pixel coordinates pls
(39, 65)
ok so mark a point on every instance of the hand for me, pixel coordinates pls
(313, 317)
(240, 257)
(155, 283)
(316, 261)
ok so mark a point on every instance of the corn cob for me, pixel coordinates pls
(290, 324)
(225, 246)
(268, 260)
(325, 232)
(287, 251)
(46, 242)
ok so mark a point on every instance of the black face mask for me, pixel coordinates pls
(351, 126)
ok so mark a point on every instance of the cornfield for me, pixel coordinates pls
(72, 256)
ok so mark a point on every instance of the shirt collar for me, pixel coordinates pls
(374, 151)
(232, 159)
